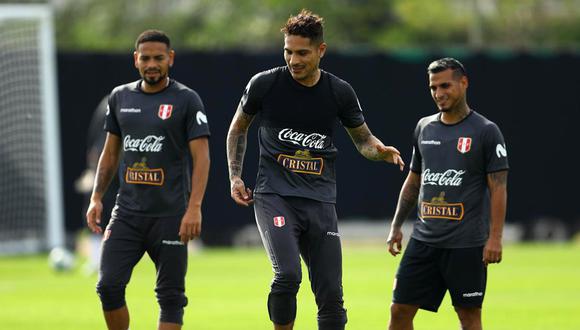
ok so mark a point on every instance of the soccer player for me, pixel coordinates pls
(156, 124)
(459, 178)
(299, 105)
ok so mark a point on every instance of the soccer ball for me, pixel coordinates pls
(61, 259)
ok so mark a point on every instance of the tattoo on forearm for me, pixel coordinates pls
(363, 138)
(407, 201)
(236, 142)
(104, 176)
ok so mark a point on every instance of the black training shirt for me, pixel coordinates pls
(296, 131)
(454, 160)
(155, 130)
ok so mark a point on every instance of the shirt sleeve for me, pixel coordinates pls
(416, 158)
(111, 123)
(197, 123)
(251, 101)
(495, 150)
(350, 111)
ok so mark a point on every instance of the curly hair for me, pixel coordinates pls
(306, 24)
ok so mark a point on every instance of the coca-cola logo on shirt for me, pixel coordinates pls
(307, 140)
(150, 143)
(450, 177)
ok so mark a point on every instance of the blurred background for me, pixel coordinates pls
(522, 57)
(60, 58)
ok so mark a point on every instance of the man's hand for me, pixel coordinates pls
(492, 251)
(240, 194)
(395, 241)
(391, 155)
(94, 213)
(190, 225)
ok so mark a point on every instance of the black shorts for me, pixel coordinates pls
(128, 237)
(426, 273)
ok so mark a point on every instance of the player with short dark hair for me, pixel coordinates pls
(159, 126)
(458, 177)
(299, 106)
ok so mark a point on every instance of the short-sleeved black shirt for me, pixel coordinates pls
(454, 160)
(155, 130)
(296, 131)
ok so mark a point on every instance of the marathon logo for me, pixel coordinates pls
(438, 208)
(139, 173)
(302, 162)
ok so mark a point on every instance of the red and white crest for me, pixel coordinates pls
(165, 111)
(464, 144)
(279, 221)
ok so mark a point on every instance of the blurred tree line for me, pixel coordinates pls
(351, 25)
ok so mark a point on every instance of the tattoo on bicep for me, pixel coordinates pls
(497, 179)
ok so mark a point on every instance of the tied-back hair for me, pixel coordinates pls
(153, 36)
(447, 63)
(306, 24)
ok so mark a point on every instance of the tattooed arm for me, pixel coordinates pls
(108, 164)
(407, 201)
(372, 148)
(497, 184)
(236, 149)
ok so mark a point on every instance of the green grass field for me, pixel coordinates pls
(535, 287)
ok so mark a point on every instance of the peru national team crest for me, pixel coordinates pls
(464, 144)
(165, 111)
(279, 221)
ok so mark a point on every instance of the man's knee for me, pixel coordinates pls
(470, 317)
(112, 296)
(287, 282)
(171, 304)
(403, 312)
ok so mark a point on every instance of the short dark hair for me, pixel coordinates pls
(307, 25)
(152, 35)
(447, 63)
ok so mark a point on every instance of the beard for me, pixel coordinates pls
(154, 81)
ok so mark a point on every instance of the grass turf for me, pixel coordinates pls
(537, 286)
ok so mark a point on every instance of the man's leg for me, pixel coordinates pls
(470, 318)
(121, 250)
(467, 278)
(117, 319)
(170, 257)
(402, 316)
(279, 230)
(418, 284)
(321, 250)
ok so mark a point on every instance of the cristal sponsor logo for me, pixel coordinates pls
(433, 142)
(130, 110)
(166, 242)
(150, 143)
(472, 294)
(302, 162)
(331, 233)
(500, 150)
(307, 140)
(200, 117)
(450, 177)
(439, 208)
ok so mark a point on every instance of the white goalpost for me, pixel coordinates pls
(31, 206)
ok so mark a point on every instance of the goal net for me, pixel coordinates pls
(31, 211)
